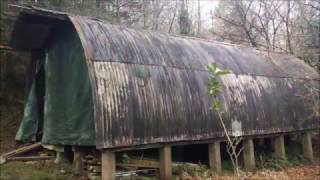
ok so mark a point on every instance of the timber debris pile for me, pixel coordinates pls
(17, 154)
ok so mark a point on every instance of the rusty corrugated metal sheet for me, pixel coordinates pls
(110, 43)
(150, 87)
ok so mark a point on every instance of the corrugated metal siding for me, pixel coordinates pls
(111, 43)
(151, 87)
(147, 104)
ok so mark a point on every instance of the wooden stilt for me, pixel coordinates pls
(165, 163)
(77, 159)
(307, 146)
(108, 165)
(215, 156)
(279, 147)
(61, 157)
(248, 155)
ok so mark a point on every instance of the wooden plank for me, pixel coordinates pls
(33, 10)
(150, 163)
(137, 165)
(21, 150)
(203, 141)
(6, 47)
(31, 158)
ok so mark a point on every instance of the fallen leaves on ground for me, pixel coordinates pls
(306, 172)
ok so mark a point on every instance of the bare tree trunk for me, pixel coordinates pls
(199, 19)
(146, 14)
(287, 22)
(118, 12)
(243, 13)
(173, 18)
(156, 15)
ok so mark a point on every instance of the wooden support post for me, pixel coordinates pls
(215, 156)
(248, 155)
(279, 147)
(77, 160)
(307, 146)
(108, 165)
(61, 157)
(165, 163)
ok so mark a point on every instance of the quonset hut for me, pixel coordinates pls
(96, 84)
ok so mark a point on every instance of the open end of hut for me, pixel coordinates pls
(59, 107)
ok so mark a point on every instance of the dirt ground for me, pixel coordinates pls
(303, 172)
(9, 124)
(41, 171)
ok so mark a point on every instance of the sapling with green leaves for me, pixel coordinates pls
(215, 87)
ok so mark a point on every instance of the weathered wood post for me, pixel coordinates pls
(61, 157)
(108, 165)
(77, 159)
(165, 163)
(248, 155)
(307, 146)
(279, 147)
(215, 156)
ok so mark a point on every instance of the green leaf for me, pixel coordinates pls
(212, 68)
(222, 72)
(211, 92)
(214, 85)
(216, 105)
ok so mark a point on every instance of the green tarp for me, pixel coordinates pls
(68, 106)
(29, 124)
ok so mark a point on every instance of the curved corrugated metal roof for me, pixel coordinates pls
(151, 87)
(105, 42)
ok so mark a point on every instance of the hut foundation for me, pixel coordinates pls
(165, 163)
(307, 146)
(108, 165)
(61, 156)
(77, 160)
(279, 147)
(215, 156)
(248, 155)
